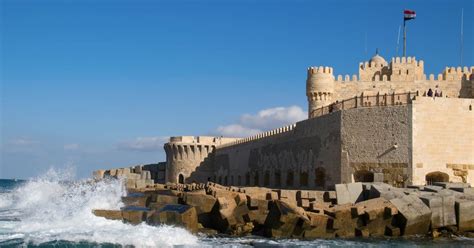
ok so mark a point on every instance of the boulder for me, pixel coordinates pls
(285, 220)
(108, 214)
(414, 216)
(464, 214)
(349, 193)
(98, 174)
(177, 215)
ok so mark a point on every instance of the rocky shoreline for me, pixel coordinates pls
(351, 210)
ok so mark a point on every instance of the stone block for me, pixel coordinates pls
(145, 175)
(385, 191)
(375, 214)
(467, 190)
(285, 220)
(98, 174)
(108, 214)
(414, 216)
(449, 185)
(140, 183)
(202, 203)
(177, 215)
(345, 222)
(137, 169)
(134, 215)
(136, 199)
(432, 188)
(349, 193)
(319, 227)
(464, 214)
(442, 208)
(167, 199)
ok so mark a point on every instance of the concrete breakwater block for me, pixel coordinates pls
(375, 215)
(464, 214)
(177, 215)
(135, 215)
(136, 199)
(108, 214)
(414, 216)
(385, 191)
(349, 193)
(285, 220)
(442, 208)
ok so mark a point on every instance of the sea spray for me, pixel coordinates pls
(55, 208)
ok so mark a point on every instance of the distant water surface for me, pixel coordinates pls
(54, 211)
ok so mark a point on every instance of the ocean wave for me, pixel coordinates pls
(55, 208)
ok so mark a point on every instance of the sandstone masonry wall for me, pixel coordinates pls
(376, 144)
(308, 156)
(443, 138)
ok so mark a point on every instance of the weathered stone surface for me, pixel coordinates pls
(108, 214)
(414, 216)
(285, 220)
(345, 222)
(432, 188)
(374, 215)
(385, 191)
(167, 199)
(349, 193)
(176, 214)
(202, 203)
(136, 199)
(320, 226)
(449, 185)
(98, 174)
(442, 208)
(464, 214)
(135, 215)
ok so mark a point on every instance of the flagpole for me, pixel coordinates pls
(404, 38)
(398, 39)
(462, 33)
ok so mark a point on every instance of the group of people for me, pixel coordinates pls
(435, 93)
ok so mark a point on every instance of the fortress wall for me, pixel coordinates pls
(308, 156)
(443, 138)
(451, 89)
(376, 144)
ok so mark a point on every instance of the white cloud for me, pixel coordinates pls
(71, 147)
(265, 119)
(145, 144)
(236, 130)
(23, 142)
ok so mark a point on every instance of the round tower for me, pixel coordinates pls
(319, 88)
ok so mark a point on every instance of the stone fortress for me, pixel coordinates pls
(391, 123)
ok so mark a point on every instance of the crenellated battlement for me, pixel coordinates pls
(259, 136)
(319, 70)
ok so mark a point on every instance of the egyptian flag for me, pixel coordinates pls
(409, 14)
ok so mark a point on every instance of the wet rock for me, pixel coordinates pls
(108, 214)
(136, 199)
(135, 215)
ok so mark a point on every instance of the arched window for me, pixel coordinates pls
(256, 179)
(220, 179)
(239, 180)
(225, 180)
(320, 177)
(277, 178)
(436, 176)
(364, 176)
(304, 179)
(247, 179)
(180, 178)
(289, 178)
(266, 179)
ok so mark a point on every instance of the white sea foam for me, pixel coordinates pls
(54, 209)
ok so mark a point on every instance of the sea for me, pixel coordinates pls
(54, 210)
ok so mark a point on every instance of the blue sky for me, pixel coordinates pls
(101, 84)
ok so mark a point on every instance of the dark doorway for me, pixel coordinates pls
(180, 178)
(364, 176)
(436, 176)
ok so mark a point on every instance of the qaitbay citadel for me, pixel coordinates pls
(388, 152)
(392, 123)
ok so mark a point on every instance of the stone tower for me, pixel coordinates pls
(319, 88)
